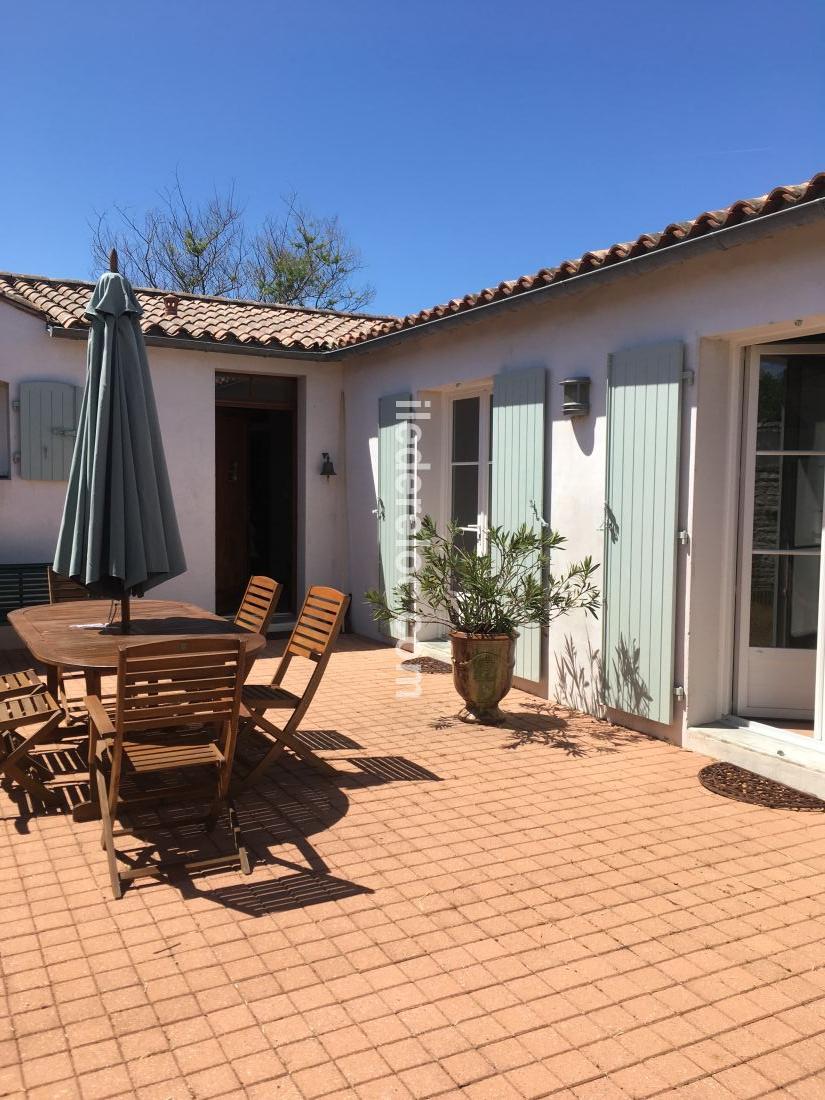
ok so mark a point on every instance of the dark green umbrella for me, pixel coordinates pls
(119, 533)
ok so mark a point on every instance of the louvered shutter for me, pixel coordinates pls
(48, 421)
(643, 424)
(518, 476)
(393, 505)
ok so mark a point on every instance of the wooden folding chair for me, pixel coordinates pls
(177, 709)
(63, 590)
(20, 683)
(313, 638)
(258, 604)
(17, 765)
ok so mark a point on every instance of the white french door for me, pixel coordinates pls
(470, 468)
(781, 615)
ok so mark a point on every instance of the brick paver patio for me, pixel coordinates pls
(554, 909)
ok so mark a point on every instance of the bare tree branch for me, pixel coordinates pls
(297, 259)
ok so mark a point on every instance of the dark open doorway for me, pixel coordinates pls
(255, 490)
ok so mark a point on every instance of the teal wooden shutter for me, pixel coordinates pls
(643, 425)
(393, 505)
(48, 421)
(518, 476)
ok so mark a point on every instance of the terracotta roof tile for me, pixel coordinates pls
(709, 221)
(254, 324)
(217, 320)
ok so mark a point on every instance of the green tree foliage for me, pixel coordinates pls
(206, 247)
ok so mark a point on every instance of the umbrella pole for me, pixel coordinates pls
(125, 612)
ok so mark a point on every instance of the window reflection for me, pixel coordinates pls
(787, 502)
(784, 601)
(791, 412)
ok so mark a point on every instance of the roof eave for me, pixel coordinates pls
(719, 239)
(80, 332)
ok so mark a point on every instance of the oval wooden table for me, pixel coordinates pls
(72, 635)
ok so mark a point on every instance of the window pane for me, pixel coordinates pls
(232, 387)
(791, 413)
(255, 389)
(787, 503)
(784, 601)
(466, 541)
(465, 495)
(273, 391)
(465, 430)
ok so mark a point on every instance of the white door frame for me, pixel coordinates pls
(747, 476)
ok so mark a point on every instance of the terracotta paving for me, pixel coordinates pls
(556, 908)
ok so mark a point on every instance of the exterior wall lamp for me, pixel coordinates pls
(576, 396)
(327, 469)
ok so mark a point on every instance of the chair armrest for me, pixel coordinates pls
(98, 716)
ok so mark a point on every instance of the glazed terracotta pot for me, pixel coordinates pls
(483, 671)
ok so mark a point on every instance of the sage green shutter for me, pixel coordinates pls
(643, 425)
(518, 476)
(48, 421)
(393, 505)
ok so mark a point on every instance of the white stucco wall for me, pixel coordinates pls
(769, 288)
(717, 302)
(184, 383)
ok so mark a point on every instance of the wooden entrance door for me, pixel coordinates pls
(231, 507)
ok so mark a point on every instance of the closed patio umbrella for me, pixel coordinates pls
(119, 533)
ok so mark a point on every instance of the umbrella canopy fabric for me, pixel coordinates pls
(119, 532)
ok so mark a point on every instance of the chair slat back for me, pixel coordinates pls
(258, 604)
(64, 590)
(319, 623)
(186, 682)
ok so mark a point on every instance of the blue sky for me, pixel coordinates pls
(460, 143)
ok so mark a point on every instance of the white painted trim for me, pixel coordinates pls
(728, 519)
(738, 384)
(437, 648)
(788, 758)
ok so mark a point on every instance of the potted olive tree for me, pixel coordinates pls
(482, 600)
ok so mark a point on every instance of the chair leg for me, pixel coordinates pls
(13, 765)
(237, 836)
(107, 837)
(53, 680)
(283, 739)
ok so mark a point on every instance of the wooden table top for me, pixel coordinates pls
(52, 634)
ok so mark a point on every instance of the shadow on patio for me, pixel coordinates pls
(553, 907)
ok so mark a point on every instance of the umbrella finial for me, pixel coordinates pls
(113, 260)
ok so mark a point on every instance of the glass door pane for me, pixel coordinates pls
(784, 601)
(782, 539)
(788, 486)
(465, 471)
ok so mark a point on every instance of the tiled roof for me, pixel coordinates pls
(228, 321)
(255, 324)
(710, 221)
